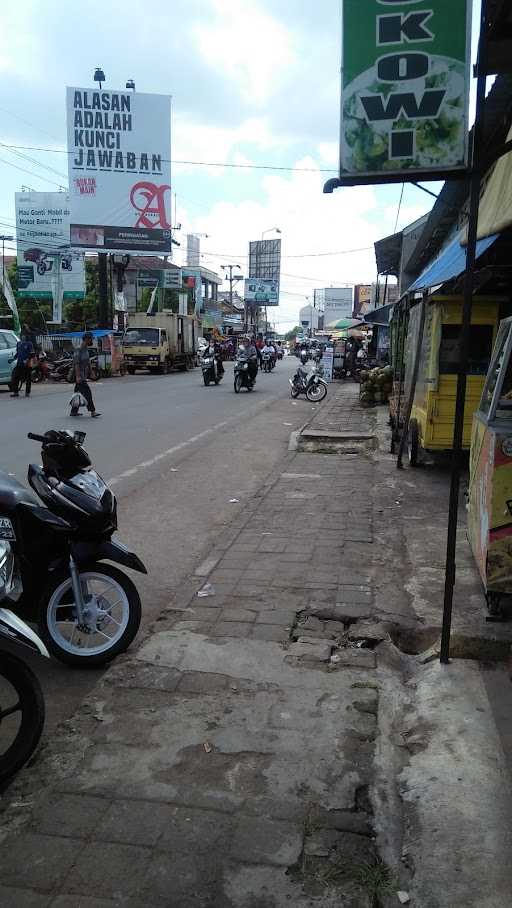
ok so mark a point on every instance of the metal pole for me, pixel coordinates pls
(102, 290)
(458, 430)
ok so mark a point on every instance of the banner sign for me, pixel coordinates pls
(165, 277)
(328, 362)
(263, 292)
(119, 149)
(46, 266)
(265, 264)
(405, 88)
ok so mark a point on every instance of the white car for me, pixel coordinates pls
(8, 341)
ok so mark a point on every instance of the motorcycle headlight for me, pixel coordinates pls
(245, 366)
(506, 446)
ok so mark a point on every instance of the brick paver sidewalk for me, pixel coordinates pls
(228, 762)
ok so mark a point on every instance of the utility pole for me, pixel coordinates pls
(232, 280)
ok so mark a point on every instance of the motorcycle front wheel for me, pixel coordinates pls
(237, 384)
(21, 714)
(294, 392)
(316, 393)
(206, 379)
(111, 622)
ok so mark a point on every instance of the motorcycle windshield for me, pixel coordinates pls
(90, 483)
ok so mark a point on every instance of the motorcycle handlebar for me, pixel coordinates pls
(33, 437)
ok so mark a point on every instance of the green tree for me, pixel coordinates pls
(291, 334)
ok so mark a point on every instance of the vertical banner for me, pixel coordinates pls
(46, 266)
(405, 88)
(5, 285)
(119, 160)
(328, 362)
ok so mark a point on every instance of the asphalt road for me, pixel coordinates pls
(176, 453)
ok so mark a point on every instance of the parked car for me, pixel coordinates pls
(8, 341)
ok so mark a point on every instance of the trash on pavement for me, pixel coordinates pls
(208, 747)
(287, 424)
(206, 590)
(234, 500)
(403, 897)
(174, 469)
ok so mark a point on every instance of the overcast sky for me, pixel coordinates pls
(253, 82)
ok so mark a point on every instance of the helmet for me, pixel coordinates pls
(303, 355)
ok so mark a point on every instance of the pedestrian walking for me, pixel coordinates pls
(22, 371)
(82, 367)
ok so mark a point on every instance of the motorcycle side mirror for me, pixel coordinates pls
(79, 437)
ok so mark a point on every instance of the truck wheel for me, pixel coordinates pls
(414, 444)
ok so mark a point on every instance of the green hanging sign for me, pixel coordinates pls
(405, 89)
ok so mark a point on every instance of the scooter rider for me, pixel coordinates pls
(251, 353)
(214, 350)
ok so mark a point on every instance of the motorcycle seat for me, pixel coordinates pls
(12, 494)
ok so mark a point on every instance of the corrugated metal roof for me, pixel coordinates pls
(449, 264)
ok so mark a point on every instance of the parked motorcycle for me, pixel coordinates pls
(61, 367)
(87, 611)
(21, 698)
(309, 383)
(210, 367)
(41, 370)
(242, 376)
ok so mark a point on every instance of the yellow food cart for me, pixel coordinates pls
(433, 406)
(490, 489)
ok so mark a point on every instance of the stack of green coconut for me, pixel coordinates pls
(376, 386)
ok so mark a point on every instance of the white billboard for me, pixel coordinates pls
(119, 150)
(46, 266)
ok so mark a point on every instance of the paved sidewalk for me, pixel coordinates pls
(255, 752)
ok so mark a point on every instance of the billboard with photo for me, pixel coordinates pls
(119, 150)
(265, 264)
(46, 266)
(405, 88)
(263, 292)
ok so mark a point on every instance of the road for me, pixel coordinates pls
(176, 453)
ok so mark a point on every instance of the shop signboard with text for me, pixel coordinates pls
(405, 88)
(46, 266)
(119, 149)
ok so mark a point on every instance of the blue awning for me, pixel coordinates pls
(450, 264)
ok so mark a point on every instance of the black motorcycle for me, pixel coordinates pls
(243, 378)
(210, 365)
(87, 611)
(266, 362)
(22, 709)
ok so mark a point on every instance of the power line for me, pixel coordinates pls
(278, 167)
(28, 123)
(33, 160)
(30, 172)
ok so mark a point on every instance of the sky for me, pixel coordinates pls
(253, 82)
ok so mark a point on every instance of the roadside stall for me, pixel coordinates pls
(490, 488)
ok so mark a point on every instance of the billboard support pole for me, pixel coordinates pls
(458, 430)
(103, 290)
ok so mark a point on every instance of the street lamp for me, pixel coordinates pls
(99, 76)
(270, 230)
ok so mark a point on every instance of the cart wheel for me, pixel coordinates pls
(494, 604)
(414, 444)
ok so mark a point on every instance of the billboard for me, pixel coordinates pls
(362, 299)
(46, 266)
(405, 89)
(119, 149)
(262, 292)
(265, 259)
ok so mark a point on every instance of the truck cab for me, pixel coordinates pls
(145, 348)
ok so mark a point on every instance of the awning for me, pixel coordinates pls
(495, 213)
(449, 264)
(380, 316)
